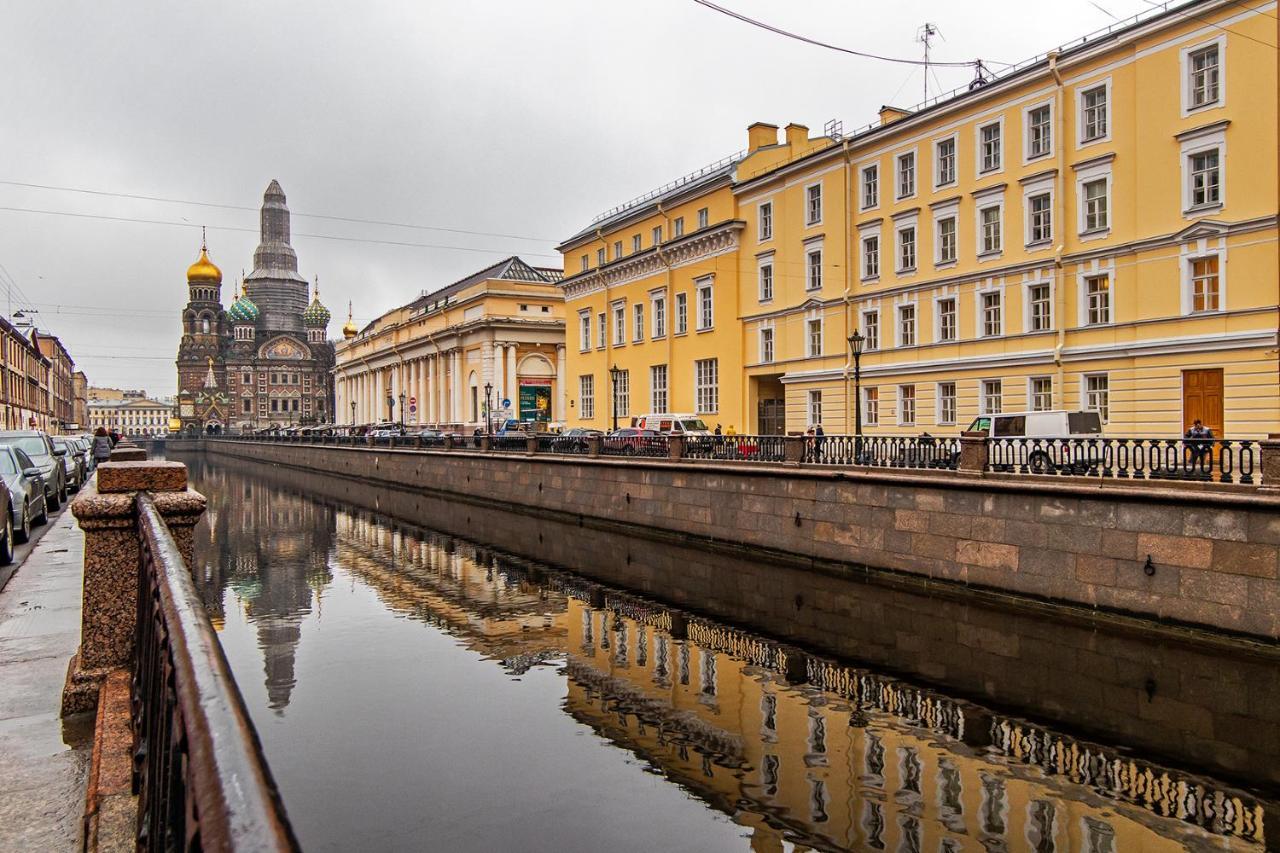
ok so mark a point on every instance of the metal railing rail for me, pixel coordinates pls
(1195, 459)
(738, 448)
(884, 451)
(199, 773)
(648, 446)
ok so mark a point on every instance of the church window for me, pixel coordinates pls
(204, 325)
(247, 378)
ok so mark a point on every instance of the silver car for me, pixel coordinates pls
(72, 462)
(46, 458)
(26, 491)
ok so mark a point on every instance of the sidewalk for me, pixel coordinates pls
(44, 761)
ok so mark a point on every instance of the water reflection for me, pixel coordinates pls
(798, 750)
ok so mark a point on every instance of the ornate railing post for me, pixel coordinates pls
(1270, 465)
(675, 447)
(107, 513)
(793, 449)
(531, 444)
(594, 445)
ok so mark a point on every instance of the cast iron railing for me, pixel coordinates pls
(1206, 460)
(566, 444)
(636, 445)
(517, 443)
(199, 774)
(884, 451)
(748, 448)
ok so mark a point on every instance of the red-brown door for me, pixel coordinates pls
(1202, 399)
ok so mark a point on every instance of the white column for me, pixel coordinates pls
(455, 400)
(500, 376)
(429, 388)
(513, 390)
(561, 413)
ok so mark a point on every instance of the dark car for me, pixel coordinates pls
(47, 459)
(574, 440)
(630, 441)
(26, 491)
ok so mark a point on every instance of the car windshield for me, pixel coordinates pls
(32, 445)
(694, 425)
(6, 464)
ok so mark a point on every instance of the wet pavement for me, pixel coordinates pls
(425, 674)
(43, 759)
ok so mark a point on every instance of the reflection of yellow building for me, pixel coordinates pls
(502, 327)
(1095, 229)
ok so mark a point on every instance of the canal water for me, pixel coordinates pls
(417, 685)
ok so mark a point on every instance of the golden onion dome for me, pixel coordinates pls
(204, 269)
(349, 329)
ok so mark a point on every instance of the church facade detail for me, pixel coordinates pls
(264, 361)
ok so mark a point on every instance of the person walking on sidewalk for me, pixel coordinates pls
(101, 446)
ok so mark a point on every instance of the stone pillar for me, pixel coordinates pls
(793, 449)
(675, 447)
(1270, 466)
(455, 389)
(107, 512)
(513, 387)
(562, 407)
(594, 444)
(973, 452)
(500, 375)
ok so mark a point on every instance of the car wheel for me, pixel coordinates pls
(6, 548)
(22, 533)
(51, 500)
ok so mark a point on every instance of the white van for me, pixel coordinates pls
(1056, 424)
(671, 424)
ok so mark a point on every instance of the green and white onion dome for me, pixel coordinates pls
(316, 316)
(243, 310)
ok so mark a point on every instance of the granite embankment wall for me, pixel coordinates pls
(1214, 554)
(1197, 702)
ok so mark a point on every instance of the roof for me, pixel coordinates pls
(511, 269)
(131, 403)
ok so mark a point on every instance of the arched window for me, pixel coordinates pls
(204, 325)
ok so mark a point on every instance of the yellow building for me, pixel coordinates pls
(502, 327)
(1094, 229)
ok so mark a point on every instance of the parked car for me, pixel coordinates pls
(1048, 455)
(47, 459)
(574, 440)
(630, 441)
(28, 505)
(72, 462)
(672, 424)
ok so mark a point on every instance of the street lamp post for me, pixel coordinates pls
(488, 410)
(391, 406)
(856, 342)
(402, 396)
(614, 372)
(353, 412)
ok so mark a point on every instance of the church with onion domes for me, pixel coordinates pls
(266, 360)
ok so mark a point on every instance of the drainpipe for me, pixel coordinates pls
(1060, 217)
(849, 200)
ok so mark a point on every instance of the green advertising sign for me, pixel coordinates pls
(535, 402)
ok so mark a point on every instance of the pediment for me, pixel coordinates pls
(1203, 228)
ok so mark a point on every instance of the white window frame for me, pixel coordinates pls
(950, 210)
(681, 313)
(810, 247)
(656, 388)
(941, 418)
(618, 318)
(872, 345)
(1085, 403)
(1097, 268)
(1035, 189)
(870, 413)
(897, 174)
(602, 334)
(937, 318)
(983, 408)
(704, 217)
(1213, 138)
(866, 233)
(704, 287)
(979, 301)
(1080, 91)
(938, 183)
(657, 235)
(621, 385)
(1087, 175)
(1184, 66)
(765, 270)
(584, 330)
(658, 315)
(1027, 155)
(764, 221)
(900, 340)
(809, 219)
(710, 391)
(637, 322)
(1201, 250)
(587, 396)
(1031, 393)
(809, 319)
(768, 350)
(862, 186)
(813, 407)
(677, 227)
(911, 223)
(983, 204)
(1028, 309)
(979, 170)
(637, 243)
(903, 420)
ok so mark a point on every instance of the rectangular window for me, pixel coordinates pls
(766, 282)
(604, 330)
(637, 332)
(766, 345)
(871, 406)
(245, 406)
(946, 240)
(991, 230)
(704, 217)
(1203, 75)
(906, 325)
(1039, 132)
(766, 221)
(584, 332)
(946, 403)
(587, 396)
(871, 329)
(1093, 115)
(682, 313)
(1040, 213)
(600, 257)
(706, 385)
(946, 157)
(635, 243)
(906, 405)
(991, 311)
(619, 325)
(871, 257)
(1095, 205)
(1041, 394)
(992, 394)
(1097, 394)
(813, 337)
(907, 174)
(1041, 316)
(247, 378)
(658, 388)
(1205, 179)
(1204, 284)
(989, 147)
(813, 204)
(947, 319)
(622, 392)
(617, 249)
(870, 186)
(906, 249)
(813, 270)
(815, 408)
(659, 316)
(706, 313)
(1098, 299)
(657, 234)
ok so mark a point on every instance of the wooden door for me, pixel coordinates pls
(1202, 399)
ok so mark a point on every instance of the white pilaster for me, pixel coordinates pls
(562, 412)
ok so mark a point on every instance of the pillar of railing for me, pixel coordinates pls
(1269, 466)
(973, 452)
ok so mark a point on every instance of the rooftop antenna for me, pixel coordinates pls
(925, 36)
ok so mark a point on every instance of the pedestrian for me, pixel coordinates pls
(818, 441)
(718, 430)
(101, 446)
(1199, 443)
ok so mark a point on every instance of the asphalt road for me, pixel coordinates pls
(21, 551)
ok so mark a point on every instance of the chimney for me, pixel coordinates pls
(797, 135)
(888, 115)
(760, 135)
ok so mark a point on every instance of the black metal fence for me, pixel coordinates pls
(737, 448)
(651, 446)
(517, 443)
(884, 451)
(1205, 460)
(199, 774)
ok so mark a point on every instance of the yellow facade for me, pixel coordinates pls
(502, 327)
(1094, 229)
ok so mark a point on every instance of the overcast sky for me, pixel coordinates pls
(522, 119)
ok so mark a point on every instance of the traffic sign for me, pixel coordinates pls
(413, 401)
(506, 403)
